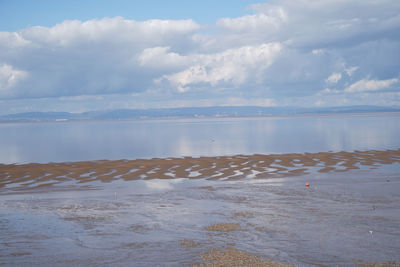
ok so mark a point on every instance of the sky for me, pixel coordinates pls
(79, 56)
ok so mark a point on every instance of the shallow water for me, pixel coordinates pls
(114, 140)
(343, 217)
(120, 213)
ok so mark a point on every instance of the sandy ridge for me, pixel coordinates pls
(213, 168)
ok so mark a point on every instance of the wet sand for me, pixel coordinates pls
(27, 176)
(235, 258)
(223, 211)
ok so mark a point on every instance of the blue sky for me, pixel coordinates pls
(19, 14)
(92, 55)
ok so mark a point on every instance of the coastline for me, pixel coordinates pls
(182, 118)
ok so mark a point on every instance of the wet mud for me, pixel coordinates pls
(27, 176)
(222, 211)
(235, 258)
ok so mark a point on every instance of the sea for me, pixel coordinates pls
(43, 142)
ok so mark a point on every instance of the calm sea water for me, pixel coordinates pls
(94, 140)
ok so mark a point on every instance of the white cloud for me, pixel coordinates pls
(370, 85)
(317, 51)
(12, 40)
(100, 56)
(351, 70)
(232, 67)
(284, 50)
(160, 57)
(334, 78)
(10, 77)
(319, 103)
(312, 23)
(109, 30)
(270, 21)
(329, 91)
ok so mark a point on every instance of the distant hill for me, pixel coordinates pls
(191, 112)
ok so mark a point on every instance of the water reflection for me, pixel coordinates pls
(162, 185)
(143, 223)
(93, 140)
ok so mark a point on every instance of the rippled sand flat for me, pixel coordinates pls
(211, 168)
(222, 211)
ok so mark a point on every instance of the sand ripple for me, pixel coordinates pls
(36, 175)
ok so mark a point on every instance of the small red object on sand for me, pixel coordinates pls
(307, 185)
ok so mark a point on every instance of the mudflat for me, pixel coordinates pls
(211, 168)
(208, 211)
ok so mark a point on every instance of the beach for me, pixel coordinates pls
(253, 210)
(210, 168)
(200, 133)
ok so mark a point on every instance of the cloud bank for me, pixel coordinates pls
(286, 53)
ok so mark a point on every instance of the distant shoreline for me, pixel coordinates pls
(328, 114)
